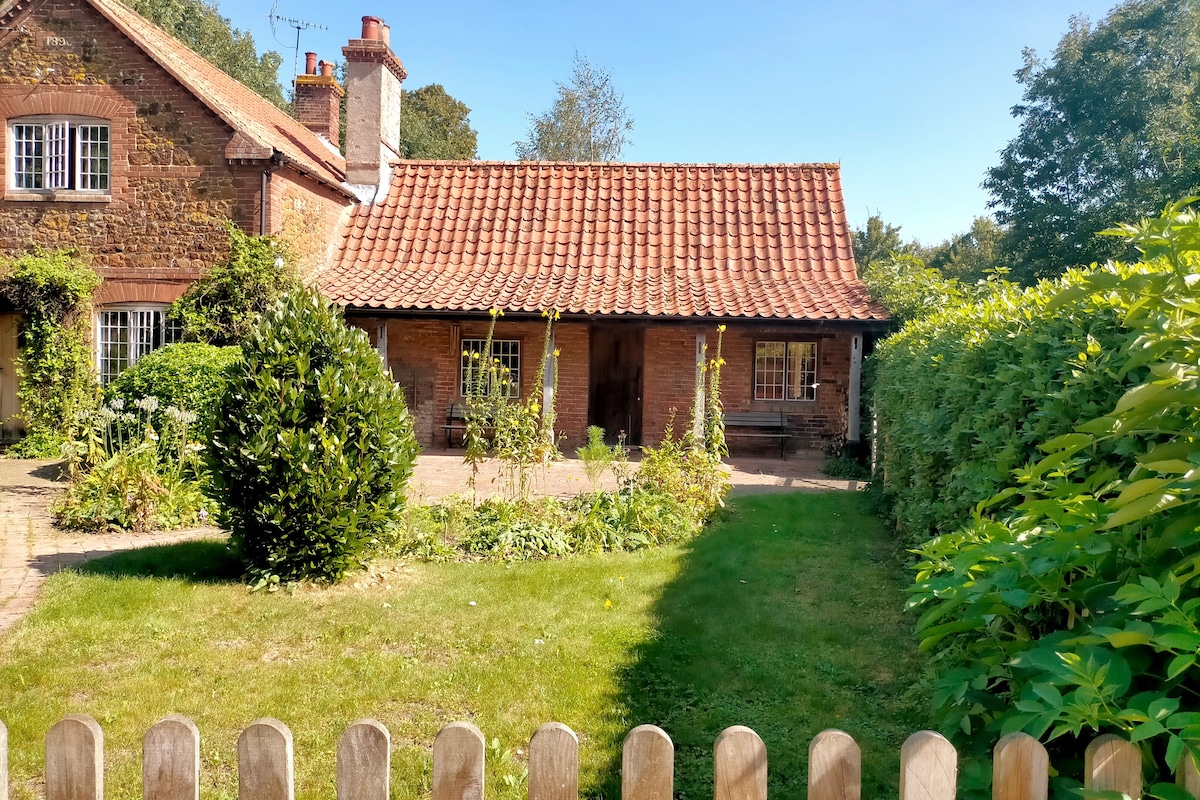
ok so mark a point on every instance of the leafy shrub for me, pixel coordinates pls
(313, 445)
(1070, 605)
(223, 306)
(130, 473)
(53, 291)
(846, 468)
(685, 472)
(192, 376)
(596, 456)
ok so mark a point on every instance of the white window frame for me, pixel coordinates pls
(60, 154)
(793, 376)
(120, 342)
(508, 351)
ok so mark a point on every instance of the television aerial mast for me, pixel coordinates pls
(299, 25)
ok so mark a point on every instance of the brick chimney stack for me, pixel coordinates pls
(318, 98)
(373, 78)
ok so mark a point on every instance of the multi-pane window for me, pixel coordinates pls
(125, 335)
(477, 370)
(60, 154)
(785, 371)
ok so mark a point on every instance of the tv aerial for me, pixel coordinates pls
(299, 25)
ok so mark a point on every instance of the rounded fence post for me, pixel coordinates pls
(364, 757)
(1111, 764)
(554, 763)
(3, 762)
(739, 765)
(834, 767)
(458, 763)
(1020, 769)
(171, 760)
(75, 759)
(928, 767)
(265, 761)
(647, 764)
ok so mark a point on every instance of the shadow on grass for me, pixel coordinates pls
(786, 617)
(201, 561)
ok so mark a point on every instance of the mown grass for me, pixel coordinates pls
(784, 617)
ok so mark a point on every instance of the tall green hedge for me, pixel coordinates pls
(966, 395)
(192, 376)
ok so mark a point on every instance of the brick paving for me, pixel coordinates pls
(31, 548)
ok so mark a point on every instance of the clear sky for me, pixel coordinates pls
(911, 97)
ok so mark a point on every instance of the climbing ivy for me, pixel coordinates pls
(53, 292)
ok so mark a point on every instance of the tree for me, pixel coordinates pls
(433, 125)
(1109, 132)
(878, 241)
(198, 25)
(589, 121)
(971, 255)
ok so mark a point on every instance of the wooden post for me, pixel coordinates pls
(554, 763)
(739, 765)
(364, 761)
(265, 761)
(1112, 764)
(1186, 776)
(834, 767)
(3, 762)
(1020, 769)
(647, 765)
(928, 767)
(458, 763)
(75, 759)
(171, 760)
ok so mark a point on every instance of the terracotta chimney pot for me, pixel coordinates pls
(310, 63)
(385, 33)
(370, 27)
(326, 69)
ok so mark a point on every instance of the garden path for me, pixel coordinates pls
(32, 548)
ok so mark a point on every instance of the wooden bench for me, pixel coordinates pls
(759, 425)
(456, 422)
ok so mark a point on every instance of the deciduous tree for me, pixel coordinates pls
(433, 125)
(588, 122)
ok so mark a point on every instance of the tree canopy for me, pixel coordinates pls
(588, 122)
(1109, 132)
(198, 25)
(433, 125)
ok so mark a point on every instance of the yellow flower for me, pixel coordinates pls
(608, 603)
(720, 328)
(556, 353)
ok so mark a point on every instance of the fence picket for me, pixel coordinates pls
(834, 767)
(265, 761)
(554, 763)
(75, 759)
(1112, 764)
(1020, 768)
(171, 760)
(739, 765)
(647, 764)
(458, 763)
(1186, 776)
(364, 759)
(3, 762)
(928, 767)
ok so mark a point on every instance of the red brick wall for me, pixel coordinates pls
(171, 188)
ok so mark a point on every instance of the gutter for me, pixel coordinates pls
(276, 163)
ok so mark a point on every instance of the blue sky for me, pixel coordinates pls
(912, 98)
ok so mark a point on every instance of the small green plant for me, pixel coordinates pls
(192, 375)
(53, 292)
(222, 307)
(313, 446)
(596, 456)
(131, 473)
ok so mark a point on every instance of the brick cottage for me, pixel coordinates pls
(126, 146)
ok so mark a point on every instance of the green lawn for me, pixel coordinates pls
(785, 617)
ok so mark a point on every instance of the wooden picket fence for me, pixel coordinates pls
(928, 764)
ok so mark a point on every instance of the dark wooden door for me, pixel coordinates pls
(615, 395)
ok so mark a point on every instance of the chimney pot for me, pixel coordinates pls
(385, 33)
(310, 63)
(327, 69)
(370, 27)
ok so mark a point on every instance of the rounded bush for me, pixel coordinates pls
(313, 445)
(191, 376)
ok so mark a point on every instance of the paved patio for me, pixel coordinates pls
(31, 548)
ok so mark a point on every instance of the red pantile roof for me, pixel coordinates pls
(690, 240)
(260, 128)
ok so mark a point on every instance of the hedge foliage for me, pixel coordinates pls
(313, 445)
(192, 376)
(1069, 603)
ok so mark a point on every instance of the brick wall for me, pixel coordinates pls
(171, 188)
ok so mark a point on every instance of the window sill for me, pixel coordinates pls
(65, 196)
